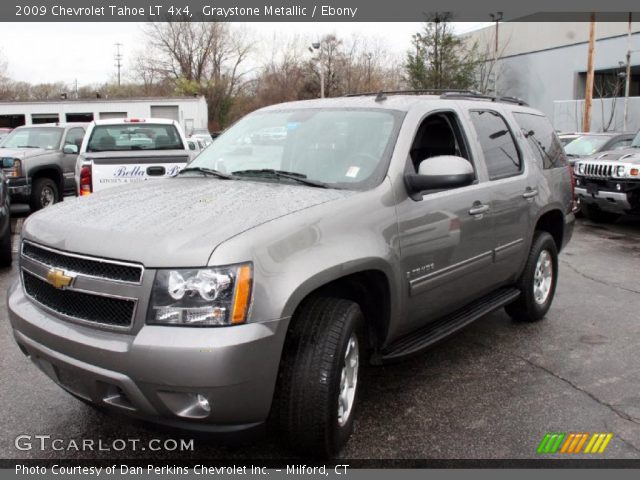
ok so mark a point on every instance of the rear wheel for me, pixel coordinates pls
(537, 282)
(319, 377)
(43, 194)
(597, 215)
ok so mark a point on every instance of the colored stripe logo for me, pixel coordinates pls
(569, 443)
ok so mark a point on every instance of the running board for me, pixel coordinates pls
(440, 329)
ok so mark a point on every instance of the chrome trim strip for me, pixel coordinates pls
(504, 251)
(84, 257)
(82, 321)
(449, 273)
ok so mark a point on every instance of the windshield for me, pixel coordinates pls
(134, 136)
(34, 137)
(586, 145)
(339, 147)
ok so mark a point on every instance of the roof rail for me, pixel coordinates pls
(443, 93)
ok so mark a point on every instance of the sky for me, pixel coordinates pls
(50, 52)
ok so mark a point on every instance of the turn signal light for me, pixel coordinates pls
(634, 172)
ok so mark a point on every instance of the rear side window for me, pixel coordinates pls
(134, 136)
(498, 145)
(542, 139)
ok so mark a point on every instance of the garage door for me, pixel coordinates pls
(165, 111)
(108, 115)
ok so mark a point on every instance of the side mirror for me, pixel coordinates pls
(440, 173)
(70, 149)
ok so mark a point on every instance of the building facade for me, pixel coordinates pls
(545, 64)
(190, 112)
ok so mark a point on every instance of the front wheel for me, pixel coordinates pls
(43, 194)
(538, 281)
(319, 376)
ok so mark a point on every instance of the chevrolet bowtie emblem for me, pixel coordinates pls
(58, 279)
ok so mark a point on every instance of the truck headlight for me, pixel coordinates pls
(580, 169)
(201, 297)
(620, 171)
(12, 167)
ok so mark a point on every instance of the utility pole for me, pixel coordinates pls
(496, 17)
(317, 46)
(369, 55)
(627, 79)
(588, 94)
(118, 58)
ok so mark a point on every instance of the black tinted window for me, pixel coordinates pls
(542, 139)
(498, 146)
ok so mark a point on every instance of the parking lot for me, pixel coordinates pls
(492, 391)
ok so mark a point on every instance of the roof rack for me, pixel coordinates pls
(443, 93)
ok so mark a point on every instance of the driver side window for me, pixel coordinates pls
(438, 135)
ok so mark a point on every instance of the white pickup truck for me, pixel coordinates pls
(119, 151)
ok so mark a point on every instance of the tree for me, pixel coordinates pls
(440, 59)
(199, 58)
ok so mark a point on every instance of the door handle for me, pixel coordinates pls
(478, 209)
(530, 193)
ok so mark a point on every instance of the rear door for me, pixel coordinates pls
(512, 187)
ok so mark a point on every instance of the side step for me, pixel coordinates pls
(438, 330)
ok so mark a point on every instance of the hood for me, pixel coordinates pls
(626, 155)
(23, 152)
(176, 222)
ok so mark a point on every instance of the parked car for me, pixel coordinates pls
(39, 160)
(5, 223)
(579, 145)
(608, 183)
(130, 150)
(196, 145)
(214, 301)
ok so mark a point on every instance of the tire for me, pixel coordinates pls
(309, 385)
(596, 215)
(5, 246)
(43, 194)
(537, 288)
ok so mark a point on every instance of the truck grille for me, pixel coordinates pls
(598, 170)
(80, 305)
(94, 267)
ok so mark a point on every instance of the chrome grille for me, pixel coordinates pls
(598, 170)
(80, 305)
(87, 290)
(95, 267)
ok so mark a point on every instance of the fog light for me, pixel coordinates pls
(185, 404)
(618, 187)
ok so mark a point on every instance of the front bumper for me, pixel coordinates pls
(616, 202)
(19, 189)
(158, 373)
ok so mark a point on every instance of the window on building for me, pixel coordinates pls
(498, 145)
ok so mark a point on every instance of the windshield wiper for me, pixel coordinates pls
(298, 177)
(206, 171)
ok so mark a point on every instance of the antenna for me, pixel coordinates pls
(118, 58)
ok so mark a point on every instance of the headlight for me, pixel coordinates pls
(620, 171)
(203, 297)
(12, 167)
(580, 168)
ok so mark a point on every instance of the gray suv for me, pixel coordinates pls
(257, 284)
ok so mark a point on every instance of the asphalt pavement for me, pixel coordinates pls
(492, 391)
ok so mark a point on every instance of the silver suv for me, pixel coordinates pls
(258, 283)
